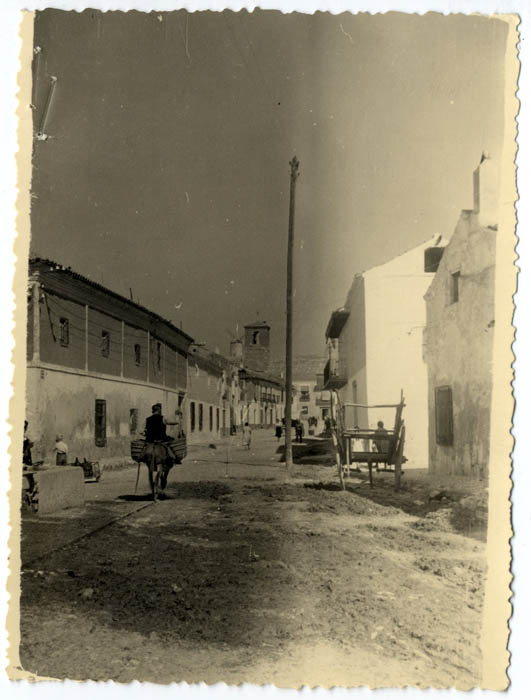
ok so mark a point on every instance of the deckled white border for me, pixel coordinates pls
(521, 623)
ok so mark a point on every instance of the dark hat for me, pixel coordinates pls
(155, 406)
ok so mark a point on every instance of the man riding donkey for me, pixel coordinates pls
(158, 450)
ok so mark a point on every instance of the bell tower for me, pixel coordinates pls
(256, 352)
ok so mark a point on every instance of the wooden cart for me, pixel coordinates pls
(373, 447)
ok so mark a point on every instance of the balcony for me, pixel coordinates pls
(332, 378)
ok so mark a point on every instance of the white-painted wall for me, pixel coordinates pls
(395, 318)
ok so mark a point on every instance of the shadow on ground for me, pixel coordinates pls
(310, 451)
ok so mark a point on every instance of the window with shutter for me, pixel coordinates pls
(444, 416)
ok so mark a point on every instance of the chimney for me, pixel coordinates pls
(486, 191)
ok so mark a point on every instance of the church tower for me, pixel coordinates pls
(256, 352)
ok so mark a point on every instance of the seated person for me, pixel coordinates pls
(61, 451)
(380, 444)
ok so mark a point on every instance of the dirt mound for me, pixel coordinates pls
(322, 497)
(468, 516)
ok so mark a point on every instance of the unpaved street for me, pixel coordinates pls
(240, 576)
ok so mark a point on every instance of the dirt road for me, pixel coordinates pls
(238, 576)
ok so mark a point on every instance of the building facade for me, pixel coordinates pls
(213, 396)
(375, 345)
(311, 403)
(261, 399)
(96, 362)
(459, 337)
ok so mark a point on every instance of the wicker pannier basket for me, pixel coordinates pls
(137, 449)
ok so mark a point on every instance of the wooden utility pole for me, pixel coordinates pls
(294, 163)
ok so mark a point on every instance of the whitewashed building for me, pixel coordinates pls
(375, 345)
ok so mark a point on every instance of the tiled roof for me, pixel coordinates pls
(57, 267)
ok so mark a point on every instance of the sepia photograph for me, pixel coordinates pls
(264, 367)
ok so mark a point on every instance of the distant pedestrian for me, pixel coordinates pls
(298, 431)
(246, 436)
(278, 430)
(61, 451)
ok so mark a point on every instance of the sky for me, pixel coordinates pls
(166, 167)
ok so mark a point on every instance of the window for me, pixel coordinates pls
(200, 416)
(256, 335)
(192, 416)
(133, 420)
(217, 418)
(454, 289)
(210, 418)
(64, 327)
(100, 423)
(305, 393)
(138, 354)
(444, 418)
(159, 356)
(105, 343)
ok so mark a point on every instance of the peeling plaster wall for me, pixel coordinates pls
(458, 351)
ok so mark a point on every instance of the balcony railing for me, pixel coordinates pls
(332, 377)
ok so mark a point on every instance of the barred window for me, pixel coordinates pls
(100, 423)
(138, 354)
